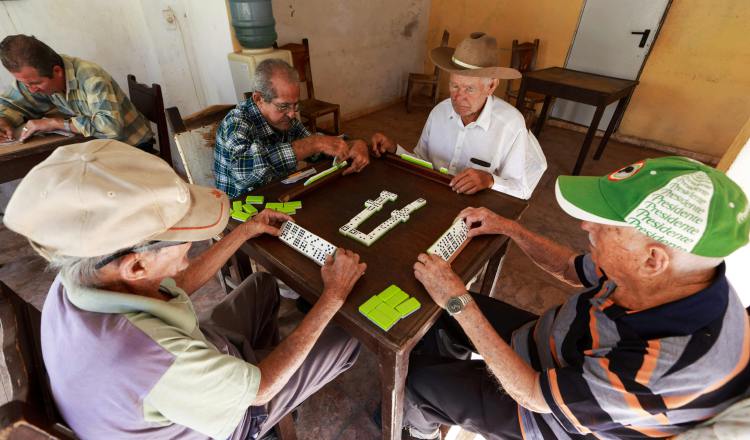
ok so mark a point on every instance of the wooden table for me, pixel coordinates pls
(389, 260)
(17, 159)
(586, 88)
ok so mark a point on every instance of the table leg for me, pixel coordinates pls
(614, 122)
(394, 367)
(589, 137)
(542, 116)
(492, 270)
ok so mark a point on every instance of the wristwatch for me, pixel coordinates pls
(66, 124)
(456, 304)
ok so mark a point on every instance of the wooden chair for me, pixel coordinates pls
(311, 109)
(149, 101)
(425, 79)
(32, 413)
(523, 59)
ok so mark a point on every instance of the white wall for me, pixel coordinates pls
(739, 262)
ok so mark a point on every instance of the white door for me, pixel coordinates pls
(606, 44)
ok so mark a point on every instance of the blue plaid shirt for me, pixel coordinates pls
(249, 153)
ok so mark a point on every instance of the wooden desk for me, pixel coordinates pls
(586, 88)
(389, 260)
(17, 159)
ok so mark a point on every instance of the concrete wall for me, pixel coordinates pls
(694, 86)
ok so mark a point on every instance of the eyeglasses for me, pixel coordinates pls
(149, 246)
(286, 106)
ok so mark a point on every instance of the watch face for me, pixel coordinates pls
(454, 306)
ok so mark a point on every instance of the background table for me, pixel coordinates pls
(583, 87)
(17, 159)
(389, 260)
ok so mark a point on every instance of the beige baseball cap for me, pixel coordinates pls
(98, 197)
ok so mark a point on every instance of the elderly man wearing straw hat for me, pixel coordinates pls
(125, 352)
(474, 135)
(657, 342)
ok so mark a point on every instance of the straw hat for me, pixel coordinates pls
(474, 56)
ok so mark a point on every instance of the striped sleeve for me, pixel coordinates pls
(17, 104)
(588, 272)
(105, 119)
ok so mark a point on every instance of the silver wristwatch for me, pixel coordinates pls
(456, 304)
(66, 125)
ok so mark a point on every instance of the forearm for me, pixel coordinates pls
(515, 376)
(552, 257)
(304, 148)
(279, 366)
(204, 266)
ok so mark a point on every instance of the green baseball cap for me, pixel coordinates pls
(675, 200)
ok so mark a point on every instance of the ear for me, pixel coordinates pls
(257, 98)
(58, 72)
(132, 267)
(656, 262)
(493, 85)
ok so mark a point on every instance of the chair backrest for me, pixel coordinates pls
(522, 58)
(195, 137)
(301, 62)
(150, 102)
(32, 399)
(443, 43)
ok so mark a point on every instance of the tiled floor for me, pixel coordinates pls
(344, 408)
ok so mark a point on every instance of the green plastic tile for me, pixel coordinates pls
(296, 204)
(322, 174)
(384, 316)
(250, 209)
(254, 199)
(417, 161)
(389, 291)
(408, 307)
(397, 298)
(274, 205)
(285, 210)
(369, 305)
(444, 170)
(237, 205)
(240, 215)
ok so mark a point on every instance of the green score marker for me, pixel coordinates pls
(327, 172)
(417, 161)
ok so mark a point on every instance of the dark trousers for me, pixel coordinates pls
(445, 387)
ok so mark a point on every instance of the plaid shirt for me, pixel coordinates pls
(92, 99)
(249, 153)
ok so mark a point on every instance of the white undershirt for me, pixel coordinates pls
(498, 137)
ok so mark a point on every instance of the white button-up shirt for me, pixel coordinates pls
(498, 137)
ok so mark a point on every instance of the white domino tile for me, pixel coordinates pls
(448, 245)
(306, 243)
(373, 206)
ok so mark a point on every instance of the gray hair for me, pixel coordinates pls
(266, 70)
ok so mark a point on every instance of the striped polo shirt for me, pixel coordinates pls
(128, 366)
(610, 372)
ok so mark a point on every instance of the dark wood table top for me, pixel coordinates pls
(17, 159)
(605, 85)
(391, 258)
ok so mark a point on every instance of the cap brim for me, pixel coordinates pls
(207, 217)
(581, 198)
(442, 57)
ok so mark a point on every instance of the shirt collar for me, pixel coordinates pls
(177, 312)
(485, 117)
(71, 83)
(259, 122)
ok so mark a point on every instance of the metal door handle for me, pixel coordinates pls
(644, 36)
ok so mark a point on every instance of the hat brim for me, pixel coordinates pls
(207, 217)
(442, 57)
(581, 198)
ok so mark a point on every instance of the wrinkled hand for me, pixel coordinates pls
(470, 181)
(382, 144)
(483, 221)
(359, 157)
(333, 146)
(265, 222)
(340, 272)
(438, 278)
(6, 129)
(40, 125)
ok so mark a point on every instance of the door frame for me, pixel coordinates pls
(645, 58)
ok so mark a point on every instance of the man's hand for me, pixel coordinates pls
(470, 181)
(438, 278)
(6, 129)
(382, 144)
(265, 222)
(333, 146)
(41, 125)
(340, 272)
(359, 156)
(482, 221)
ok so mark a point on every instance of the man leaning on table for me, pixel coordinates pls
(126, 354)
(657, 342)
(474, 135)
(90, 101)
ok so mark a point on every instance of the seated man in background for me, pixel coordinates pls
(90, 101)
(122, 344)
(656, 343)
(262, 138)
(474, 135)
